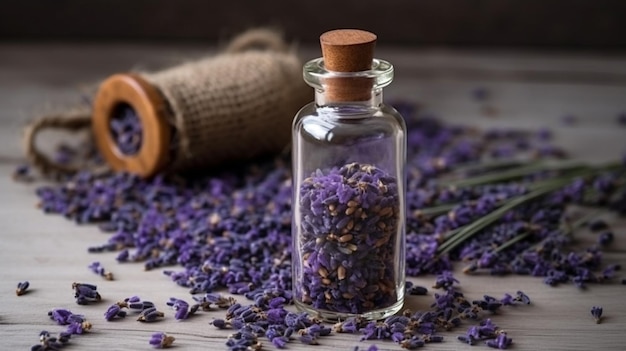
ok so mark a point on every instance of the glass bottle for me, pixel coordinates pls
(349, 156)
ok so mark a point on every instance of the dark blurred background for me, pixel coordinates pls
(561, 24)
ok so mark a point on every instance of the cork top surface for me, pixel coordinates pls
(347, 37)
(348, 50)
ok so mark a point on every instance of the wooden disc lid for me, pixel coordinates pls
(344, 51)
(151, 110)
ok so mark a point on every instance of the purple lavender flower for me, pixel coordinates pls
(22, 173)
(605, 238)
(445, 280)
(412, 343)
(346, 243)
(569, 119)
(135, 303)
(64, 316)
(181, 308)
(49, 342)
(598, 225)
(161, 340)
(78, 327)
(97, 268)
(372, 347)
(126, 129)
(500, 342)
(150, 315)
(85, 293)
(418, 290)
(596, 313)
(480, 94)
(22, 288)
(220, 323)
(114, 311)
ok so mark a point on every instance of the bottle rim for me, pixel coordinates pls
(315, 73)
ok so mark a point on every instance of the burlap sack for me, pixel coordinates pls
(236, 105)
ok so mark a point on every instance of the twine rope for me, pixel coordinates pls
(71, 121)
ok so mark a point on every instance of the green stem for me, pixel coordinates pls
(510, 242)
(436, 210)
(493, 165)
(516, 173)
(453, 232)
(537, 189)
(476, 226)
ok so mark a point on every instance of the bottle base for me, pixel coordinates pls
(331, 316)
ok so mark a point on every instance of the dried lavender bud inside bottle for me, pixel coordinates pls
(126, 129)
(348, 225)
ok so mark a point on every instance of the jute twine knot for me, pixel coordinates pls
(233, 106)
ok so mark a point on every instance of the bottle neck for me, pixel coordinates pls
(322, 99)
(335, 89)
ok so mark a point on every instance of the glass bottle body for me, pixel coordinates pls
(349, 208)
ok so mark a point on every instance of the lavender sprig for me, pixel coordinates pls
(495, 215)
(518, 172)
(537, 189)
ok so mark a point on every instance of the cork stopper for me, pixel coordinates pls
(151, 109)
(348, 50)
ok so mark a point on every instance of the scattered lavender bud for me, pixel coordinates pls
(480, 94)
(50, 343)
(569, 120)
(596, 312)
(412, 343)
(78, 327)
(123, 256)
(372, 347)
(308, 339)
(445, 280)
(521, 297)
(621, 119)
(500, 342)
(181, 308)
(22, 288)
(418, 290)
(544, 134)
(598, 225)
(220, 323)
(114, 311)
(150, 315)
(135, 303)
(605, 238)
(85, 293)
(507, 300)
(64, 316)
(22, 173)
(97, 268)
(161, 340)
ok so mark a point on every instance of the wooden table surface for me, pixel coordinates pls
(529, 90)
